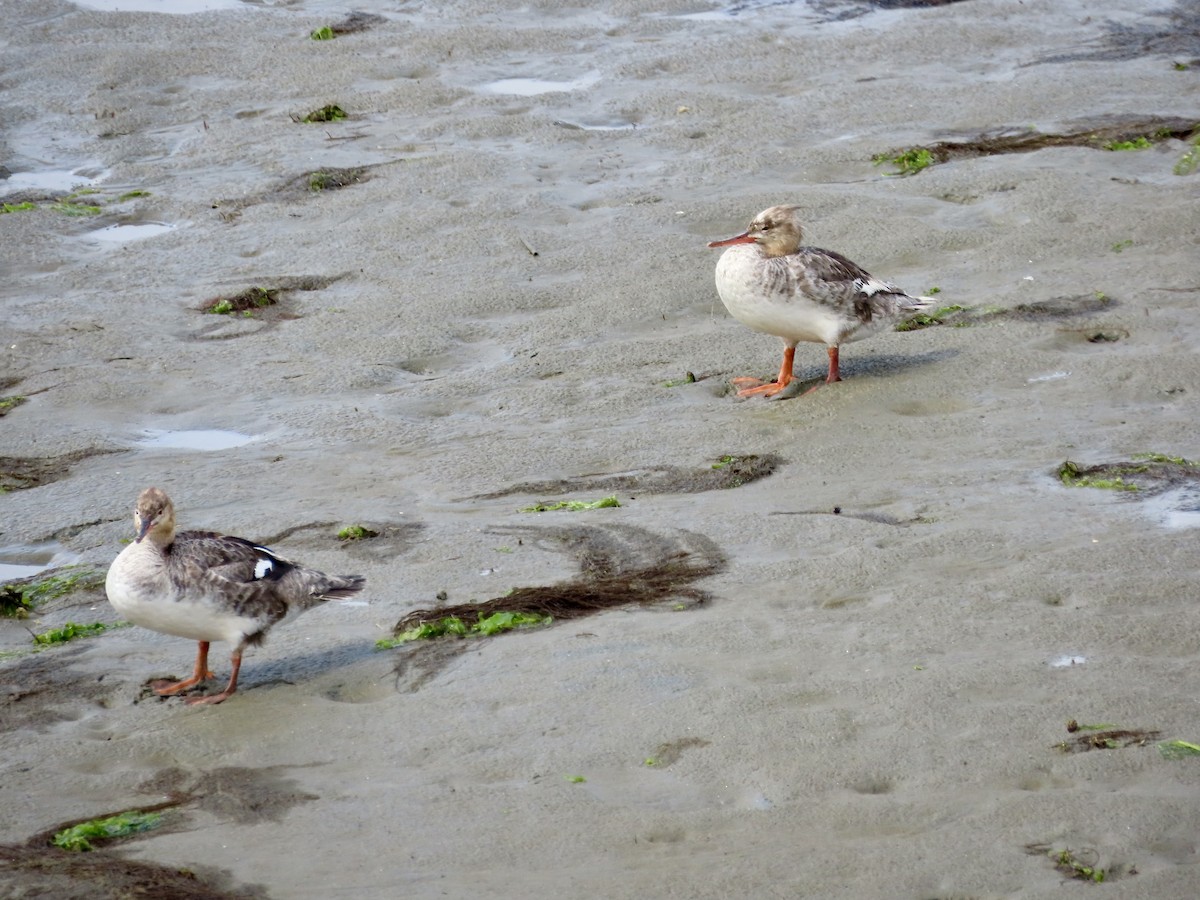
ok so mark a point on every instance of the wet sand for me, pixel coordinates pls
(863, 703)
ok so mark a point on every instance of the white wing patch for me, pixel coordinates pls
(870, 287)
(265, 564)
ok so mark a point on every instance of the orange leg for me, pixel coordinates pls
(199, 674)
(833, 375)
(229, 688)
(769, 388)
(833, 366)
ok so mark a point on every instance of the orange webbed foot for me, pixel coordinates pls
(166, 688)
(752, 387)
(756, 388)
(214, 699)
(200, 674)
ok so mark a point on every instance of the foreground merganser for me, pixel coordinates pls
(770, 283)
(209, 587)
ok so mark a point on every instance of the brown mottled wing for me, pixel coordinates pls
(831, 279)
(244, 574)
(829, 266)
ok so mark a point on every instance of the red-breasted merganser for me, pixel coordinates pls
(770, 283)
(209, 587)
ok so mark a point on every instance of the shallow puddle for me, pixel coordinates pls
(161, 6)
(1177, 508)
(9, 571)
(115, 234)
(1067, 661)
(22, 561)
(199, 439)
(530, 87)
(596, 124)
(750, 9)
(48, 180)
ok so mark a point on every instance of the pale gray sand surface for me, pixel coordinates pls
(868, 704)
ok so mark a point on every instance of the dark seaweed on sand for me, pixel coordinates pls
(1113, 739)
(355, 22)
(18, 473)
(618, 566)
(240, 795)
(40, 871)
(1149, 473)
(1098, 134)
(730, 471)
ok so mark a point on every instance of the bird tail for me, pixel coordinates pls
(308, 587)
(338, 587)
(919, 304)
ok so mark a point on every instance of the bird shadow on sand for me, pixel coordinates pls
(868, 365)
(307, 671)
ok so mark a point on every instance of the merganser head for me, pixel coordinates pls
(155, 513)
(776, 230)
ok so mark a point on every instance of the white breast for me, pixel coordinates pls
(772, 305)
(141, 593)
